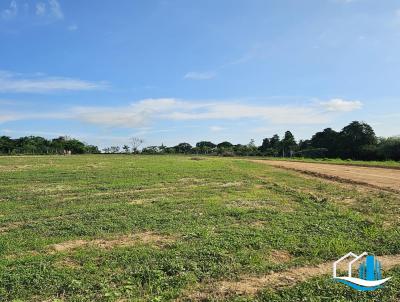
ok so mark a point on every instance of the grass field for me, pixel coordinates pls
(163, 228)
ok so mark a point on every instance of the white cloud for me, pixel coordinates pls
(11, 11)
(13, 82)
(133, 116)
(216, 128)
(55, 9)
(340, 105)
(193, 75)
(274, 114)
(7, 118)
(142, 113)
(51, 9)
(40, 9)
(72, 27)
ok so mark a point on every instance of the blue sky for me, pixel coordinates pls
(173, 71)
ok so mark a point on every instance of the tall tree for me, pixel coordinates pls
(225, 145)
(329, 139)
(354, 137)
(288, 143)
(266, 144)
(205, 146)
(275, 141)
(6, 144)
(183, 148)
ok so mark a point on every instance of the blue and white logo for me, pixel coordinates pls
(369, 272)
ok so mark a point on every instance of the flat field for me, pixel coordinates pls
(174, 228)
(346, 162)
(377, 177)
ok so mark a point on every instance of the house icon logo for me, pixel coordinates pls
(369, 272)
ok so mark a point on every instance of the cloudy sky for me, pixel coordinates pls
(174, 70)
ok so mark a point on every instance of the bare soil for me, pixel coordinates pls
(121, 241)
(250, 285)
(381, 178)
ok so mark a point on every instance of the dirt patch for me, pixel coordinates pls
(197, 158)
(11, 226)
(109, 243)
(280, 256)
(249, 204)
(257, 224)
(260, 204)
(348, 201)
(380, 178)
(232, 184)
(250, 285)
(11, 168)
(67, 263)
(54, 190)
(141, 201)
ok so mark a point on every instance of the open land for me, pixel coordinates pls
(170, 228)
(382, 178)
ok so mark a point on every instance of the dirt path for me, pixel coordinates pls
(381, 178)
(250, 285)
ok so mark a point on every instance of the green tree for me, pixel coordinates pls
(275, 142)
(151, 150)
(183, 148)
(329, 139)
(225, 145)
(91, 149)
(205, 147)
(266, 144)
(354, 137)
(389, 148)
(288, 144)
(7, 144)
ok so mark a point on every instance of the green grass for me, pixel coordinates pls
(337, 161)
(223, 218)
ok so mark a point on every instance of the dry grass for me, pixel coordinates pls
(250, 285)
(109, 243)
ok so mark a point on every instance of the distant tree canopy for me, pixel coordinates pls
(40, 145)
(225, 145)
(328, 139)
(355, 141)
(183, 148)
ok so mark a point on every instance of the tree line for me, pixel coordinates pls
(40, 145)
(355, 141)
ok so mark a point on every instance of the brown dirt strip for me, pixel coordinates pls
(349, 164)
(379, 178)
(120, 241)
(250, 285)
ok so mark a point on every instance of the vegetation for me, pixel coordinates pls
(151, 228)
(356, 141)
(40, 145)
